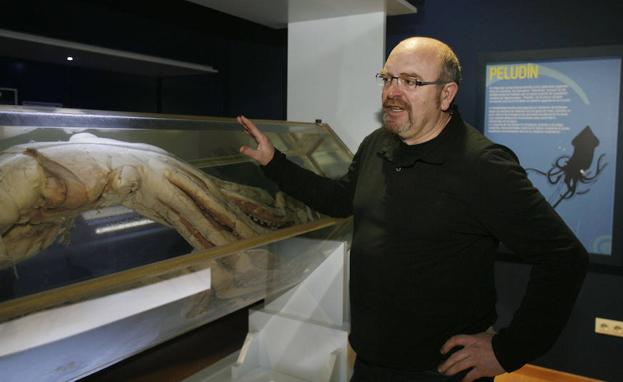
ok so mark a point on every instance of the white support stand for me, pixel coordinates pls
(299, 336)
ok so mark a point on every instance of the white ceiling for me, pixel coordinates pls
(278, 13)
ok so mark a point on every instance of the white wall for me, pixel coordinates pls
(331, 68)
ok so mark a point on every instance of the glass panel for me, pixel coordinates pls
(111, 238)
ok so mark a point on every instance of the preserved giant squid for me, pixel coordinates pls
(44, 186)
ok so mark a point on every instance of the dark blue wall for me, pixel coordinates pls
(475, 27)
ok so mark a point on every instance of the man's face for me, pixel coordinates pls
(412, 113)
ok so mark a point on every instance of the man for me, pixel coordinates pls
(431, 199)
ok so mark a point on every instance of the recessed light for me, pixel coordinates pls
(70, 58)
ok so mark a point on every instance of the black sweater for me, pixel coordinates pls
(428, 219)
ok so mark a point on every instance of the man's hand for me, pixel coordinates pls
(265, 149)
(476, 353)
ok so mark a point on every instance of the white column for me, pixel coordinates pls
(331, 68)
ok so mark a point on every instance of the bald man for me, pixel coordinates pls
(431, 199)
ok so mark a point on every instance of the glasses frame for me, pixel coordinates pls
(400, 81)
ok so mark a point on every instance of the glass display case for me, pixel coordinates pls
(97, 202)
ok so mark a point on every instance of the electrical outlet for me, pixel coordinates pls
(608, 327)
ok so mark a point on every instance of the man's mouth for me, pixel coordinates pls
(394, 107)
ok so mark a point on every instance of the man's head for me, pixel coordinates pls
(414, 108)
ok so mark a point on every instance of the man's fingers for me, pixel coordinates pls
(252, 130)
(458, 366)
(249, 126)
(253, 154)
(244, 126)
(476, 354)
(458, 340)
(244, 121)
(265, 151)
(455, 358)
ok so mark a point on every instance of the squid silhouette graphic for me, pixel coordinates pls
(574, 169)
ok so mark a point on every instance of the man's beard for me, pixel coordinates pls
(395, 127)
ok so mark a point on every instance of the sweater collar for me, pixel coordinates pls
(434, 151)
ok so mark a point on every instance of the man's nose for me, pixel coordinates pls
(392, 89)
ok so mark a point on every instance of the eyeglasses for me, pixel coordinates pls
(405, 81)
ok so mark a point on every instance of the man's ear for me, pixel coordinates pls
(447, 95)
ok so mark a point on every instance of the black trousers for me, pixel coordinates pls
(366, 372)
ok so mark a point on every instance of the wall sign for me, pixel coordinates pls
(559, 111)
